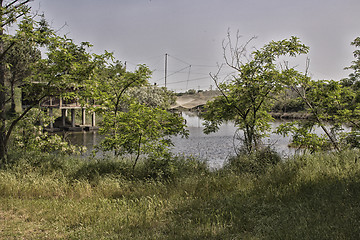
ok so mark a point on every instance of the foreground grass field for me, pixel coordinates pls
(309, 197)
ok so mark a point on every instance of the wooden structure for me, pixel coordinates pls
(56, 102)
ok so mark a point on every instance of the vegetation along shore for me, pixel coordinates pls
(137, 188)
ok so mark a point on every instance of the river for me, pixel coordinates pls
(215, 148)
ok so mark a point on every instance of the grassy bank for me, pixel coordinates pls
(311, 197)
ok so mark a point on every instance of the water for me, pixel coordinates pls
(215, 148)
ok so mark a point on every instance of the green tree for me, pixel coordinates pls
(135, 119)
(248, 95)
(110, 83)
(140, 130)
(331, 105)
(29, 135)
(321, 98)
(10, 11)
(19, 60)
(355, 75)
(65, 67)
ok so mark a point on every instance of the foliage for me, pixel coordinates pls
(29, 135)
(152, 96)
(288, 102)
(247, 97)
(135, 119)
(355, 75)
(191, 91)
(140, 130)
(303, 136)
(65, 67)
(334, 107)
(108, 86)
(19, 60)
(256, 163)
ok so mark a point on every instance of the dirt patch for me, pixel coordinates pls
(189, 101)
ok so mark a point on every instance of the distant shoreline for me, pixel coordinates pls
(290, 115)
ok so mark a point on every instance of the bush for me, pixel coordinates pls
(169, 167)
(255, 163)
(191, 91)
(289, 105)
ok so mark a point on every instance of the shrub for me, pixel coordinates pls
(169, 166)
(254, 163)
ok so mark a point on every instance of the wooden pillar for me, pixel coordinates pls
(63, 117)
(51, 115)
(72, 117)
(93, 120)
(83, 116)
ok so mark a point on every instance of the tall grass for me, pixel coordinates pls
(305, 197)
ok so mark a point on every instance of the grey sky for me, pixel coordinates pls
(191, 32)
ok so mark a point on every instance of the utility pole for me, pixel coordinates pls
(166, 55)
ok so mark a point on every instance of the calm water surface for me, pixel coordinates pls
(215, 148)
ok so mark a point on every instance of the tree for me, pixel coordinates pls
(355, 76)
(140, 130)
(66, 66)
(19, 60)
(10, 11)
(29, 136)
(319, 97)
(108, 86)
(247, 96)
(135, 119)
(332, 103)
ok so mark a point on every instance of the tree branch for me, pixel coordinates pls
(6, 50)
(19, 5)
(21, 117)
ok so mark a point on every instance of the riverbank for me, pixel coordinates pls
(290, 115)
(307, 197)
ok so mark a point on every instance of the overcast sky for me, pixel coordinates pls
(191, 32)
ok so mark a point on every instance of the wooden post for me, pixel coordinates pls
(72, 117)
(63, 117)
(83, 116)
(93, 122)
(51, 121)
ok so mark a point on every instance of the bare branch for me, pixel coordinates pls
(307, 66)
(17, 6)
(236, 52)
(10, 4)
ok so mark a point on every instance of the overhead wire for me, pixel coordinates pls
(189, 67)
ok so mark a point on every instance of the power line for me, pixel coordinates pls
(174, 73)
(179, 60)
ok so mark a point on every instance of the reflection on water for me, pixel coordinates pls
(215, 147)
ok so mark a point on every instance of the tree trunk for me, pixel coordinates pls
(2, 93)
(138, 154)
(12, 110)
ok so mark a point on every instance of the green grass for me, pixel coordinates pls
(307, 197)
